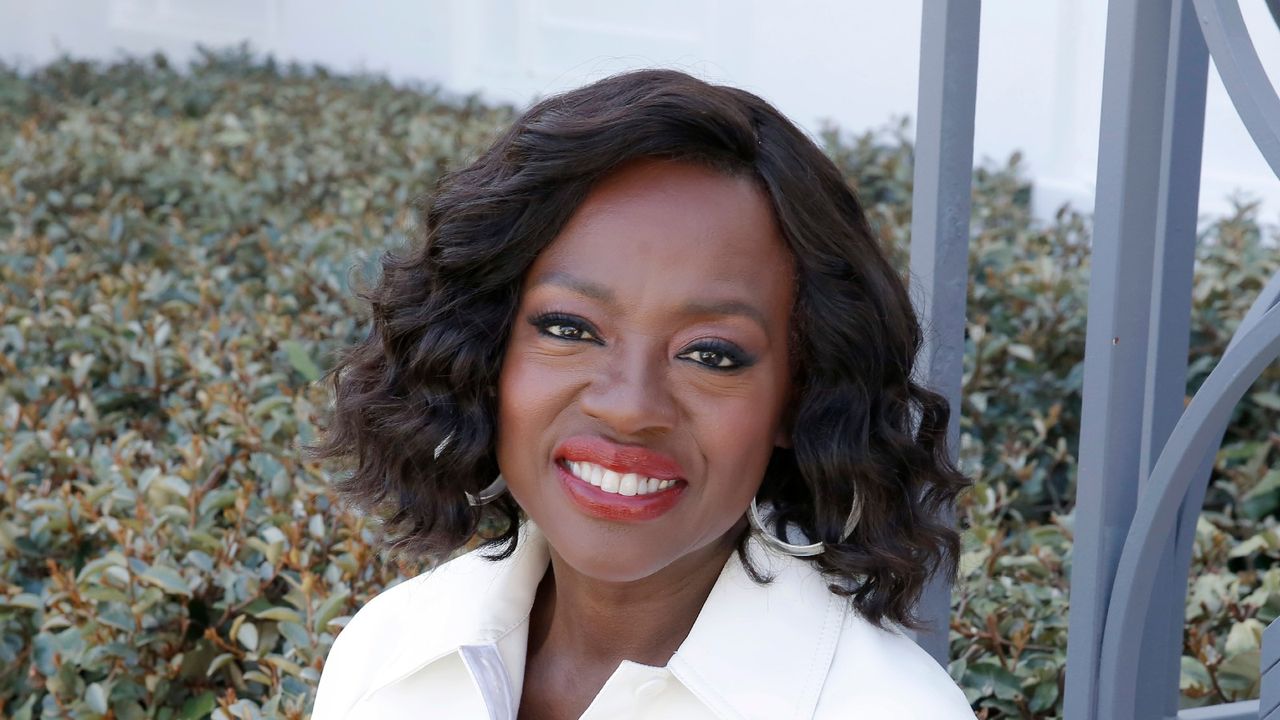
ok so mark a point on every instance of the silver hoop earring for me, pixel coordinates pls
(786, 548)
(489, 494)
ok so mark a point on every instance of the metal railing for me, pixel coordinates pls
(1145, 459)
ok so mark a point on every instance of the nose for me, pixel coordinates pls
(631, 393)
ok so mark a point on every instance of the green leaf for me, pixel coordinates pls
(1194, 674)
(96, 698)
(1264, 540)
(175, 485)
(199, 706)
(1239, 674)
(1267, 399)
(1045, 696)
(1263, 498)
(1022, 352)
(247, 635)
(285, 666)
(1244, 636)
(167, 579)
(105, 594)
(301, 361)
(329, 609)
(218, 663)
(994, 680)
(26, 601)
(257, 676)
(282, 614)
(295, 633)
(217, 500)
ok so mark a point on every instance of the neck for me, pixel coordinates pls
(591, 622)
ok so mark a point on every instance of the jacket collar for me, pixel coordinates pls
(749, 639)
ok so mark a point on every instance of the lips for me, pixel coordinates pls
(621, 459)
(613, 506)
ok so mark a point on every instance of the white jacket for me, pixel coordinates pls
(450, 643)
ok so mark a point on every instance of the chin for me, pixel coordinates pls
(610, 557)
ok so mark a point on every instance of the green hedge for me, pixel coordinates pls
(178, 256)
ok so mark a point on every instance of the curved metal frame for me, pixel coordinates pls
(1140, 555)
(1267, 299)
(1192, 440)
(1242, 74)
(1180, 473)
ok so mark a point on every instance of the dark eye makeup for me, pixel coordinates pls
(711, 353)
(564, 327)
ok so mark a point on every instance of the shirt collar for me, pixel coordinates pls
(748, 640)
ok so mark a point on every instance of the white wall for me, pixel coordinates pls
(854, 62)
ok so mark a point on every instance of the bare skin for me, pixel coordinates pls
(679, 345)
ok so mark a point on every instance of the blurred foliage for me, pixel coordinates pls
(176, 256)
(175, 263)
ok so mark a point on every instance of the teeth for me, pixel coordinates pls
(628, 484)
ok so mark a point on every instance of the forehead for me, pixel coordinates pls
(659, 227)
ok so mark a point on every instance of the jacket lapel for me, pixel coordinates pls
(754, 651)
(470, 600)
(763, 651)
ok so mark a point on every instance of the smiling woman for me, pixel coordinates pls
(651, 340)
(649, 314)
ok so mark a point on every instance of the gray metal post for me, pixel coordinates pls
(940, 231)
(1179, 200)
(1269, 671)
(1125, 212)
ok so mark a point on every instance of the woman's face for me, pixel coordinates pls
(645, 379)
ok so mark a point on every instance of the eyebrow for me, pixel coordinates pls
(605, 295)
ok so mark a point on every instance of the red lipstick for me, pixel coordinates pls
(621, 459)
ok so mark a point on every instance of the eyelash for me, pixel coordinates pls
(546, 320)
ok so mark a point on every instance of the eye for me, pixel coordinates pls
(568, 331)
(718, 356)
(564, 327)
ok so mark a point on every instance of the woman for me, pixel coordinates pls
(649, 337)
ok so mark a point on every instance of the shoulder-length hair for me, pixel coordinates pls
(441, 313)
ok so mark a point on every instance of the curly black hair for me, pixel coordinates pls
(442, 310)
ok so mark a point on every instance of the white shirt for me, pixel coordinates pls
(450, 643)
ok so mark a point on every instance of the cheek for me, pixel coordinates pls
(748, 410)
(746, 440)
(530, 396)
(740, 433)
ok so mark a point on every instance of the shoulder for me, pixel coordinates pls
(884, 670)
(361, 651)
